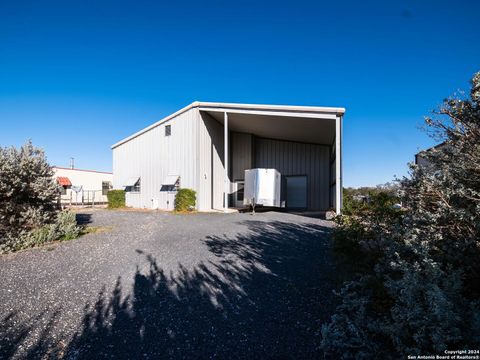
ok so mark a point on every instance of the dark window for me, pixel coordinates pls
(63, 190)
(240, 189)
(240, 193)
(106, 186)
(171, 187)
(136, 187)
(168, 130)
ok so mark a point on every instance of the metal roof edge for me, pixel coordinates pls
(196, 104)
(75, 169)
(311, 109)
(443, 143)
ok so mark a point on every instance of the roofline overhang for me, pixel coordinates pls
(85, 170)
(424, 151)
(257, 109)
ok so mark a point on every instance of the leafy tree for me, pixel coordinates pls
(420, 293)
(28, 192)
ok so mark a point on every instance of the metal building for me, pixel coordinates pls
(208, 146)
(79, 186)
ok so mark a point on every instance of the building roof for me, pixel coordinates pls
(424, 152)
(75, 169)
(438, 146)
(259, 109)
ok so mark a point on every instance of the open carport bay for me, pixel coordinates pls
(158, 285)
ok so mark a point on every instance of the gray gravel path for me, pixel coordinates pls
(159, 285)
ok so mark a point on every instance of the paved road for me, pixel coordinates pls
(159, 285)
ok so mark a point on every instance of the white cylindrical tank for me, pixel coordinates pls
(262, 187)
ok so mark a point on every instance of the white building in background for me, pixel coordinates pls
(83, 186)
(420, 157)
(208, 146)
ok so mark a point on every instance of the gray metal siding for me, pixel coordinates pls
(241, 154)
(211, 165)
(292, 158)
(152, 156)
(332, 177)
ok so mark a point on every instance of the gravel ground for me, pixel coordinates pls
(158, 285)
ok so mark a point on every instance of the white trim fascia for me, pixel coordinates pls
(312, 109)
(331, 116)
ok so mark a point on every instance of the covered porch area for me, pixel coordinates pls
(303, 143)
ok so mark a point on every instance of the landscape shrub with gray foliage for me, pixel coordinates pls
(29, 214)
(417, 291)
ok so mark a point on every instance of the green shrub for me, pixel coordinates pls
(185, 200)
(419, 294)
(116, 199)
(64, 228)
(355, 241)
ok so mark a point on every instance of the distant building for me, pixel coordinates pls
(420, 158)
(83, 186)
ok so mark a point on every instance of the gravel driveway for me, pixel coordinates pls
(158, 285)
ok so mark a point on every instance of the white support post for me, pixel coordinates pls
(338, 165)
(225, 161)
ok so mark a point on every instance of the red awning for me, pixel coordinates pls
(64, 181)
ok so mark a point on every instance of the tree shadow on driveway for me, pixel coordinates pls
(264, 294)
(266, 297)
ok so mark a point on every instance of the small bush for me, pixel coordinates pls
(185, 200)
(116, 199)
(64, 228)
(355, 241)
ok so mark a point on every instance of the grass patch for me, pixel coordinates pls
(96, 229)
(52, 245)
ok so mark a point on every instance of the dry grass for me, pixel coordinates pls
(96, 230)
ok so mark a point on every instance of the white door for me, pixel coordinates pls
(296, 192)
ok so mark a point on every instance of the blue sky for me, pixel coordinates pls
(77, 76)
